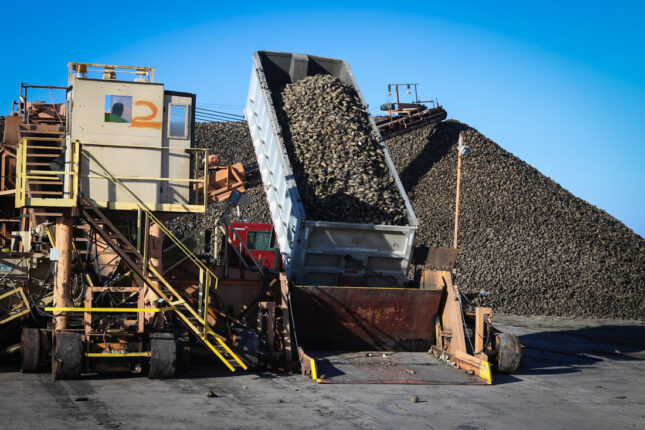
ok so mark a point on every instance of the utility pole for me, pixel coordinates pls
(462, 150)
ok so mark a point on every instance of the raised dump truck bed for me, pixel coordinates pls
(319, 252)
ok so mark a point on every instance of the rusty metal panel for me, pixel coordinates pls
(11, 135)
(432, 279)
(443, 258)
(388, 368)
(358, 318)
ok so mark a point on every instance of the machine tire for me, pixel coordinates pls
(163, 356)
(67, 356)
(30, 350)
(509, 353)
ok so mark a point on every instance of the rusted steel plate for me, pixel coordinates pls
(359, 318)
(378, 367)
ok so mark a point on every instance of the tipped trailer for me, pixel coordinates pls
(347, 283)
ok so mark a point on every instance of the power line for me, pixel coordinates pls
(213, 118)
(205, 111)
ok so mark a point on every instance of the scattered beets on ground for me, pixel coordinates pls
(337, 158)
(532, 246)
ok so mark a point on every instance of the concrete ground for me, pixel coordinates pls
(576, 374)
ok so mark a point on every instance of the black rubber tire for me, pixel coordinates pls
(30, 350)
(163, 357)
(67, 356)
(509, 353)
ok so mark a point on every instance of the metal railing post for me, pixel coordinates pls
(200, 302)
(145, 245)
(206, 291)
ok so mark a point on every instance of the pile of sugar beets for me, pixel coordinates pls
(336, 157)
(528, 246)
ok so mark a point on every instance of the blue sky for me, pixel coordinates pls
(559, 84)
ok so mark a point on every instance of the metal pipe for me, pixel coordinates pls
(62, 285)
(153, 254)
(155, 247)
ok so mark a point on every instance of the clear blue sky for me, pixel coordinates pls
(559, 84)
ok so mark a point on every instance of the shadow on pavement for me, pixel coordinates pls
(569, 351)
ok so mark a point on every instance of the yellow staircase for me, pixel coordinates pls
(176, 302)
(190, 317)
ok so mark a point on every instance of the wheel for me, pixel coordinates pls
(67, 356)
(30, 350)
(163, 357)
(509, 353)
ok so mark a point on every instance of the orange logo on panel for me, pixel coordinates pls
(145, 120)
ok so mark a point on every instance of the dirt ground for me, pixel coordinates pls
(576, 374)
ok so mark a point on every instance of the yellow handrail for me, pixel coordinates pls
(141, 205)
(23, 175)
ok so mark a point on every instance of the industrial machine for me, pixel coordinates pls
(348, 284)
(82, 231)
(404, 117)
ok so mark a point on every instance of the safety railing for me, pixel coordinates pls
(207, 277)
(150, 217)
(40, 183)
(197, 185)
(37, 184)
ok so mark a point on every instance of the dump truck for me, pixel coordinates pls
(347, 282)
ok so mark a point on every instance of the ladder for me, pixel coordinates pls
(175, 300)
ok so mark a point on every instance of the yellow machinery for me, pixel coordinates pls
(96, 176)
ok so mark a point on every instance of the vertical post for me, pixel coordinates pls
(146, 244)
(396, 89)
(155, 247)
(460, 145)
(152, 255)
(139, 221)
(206, 293)
(207, 175)
(200, 304)
(226, 244)
(68, 162)
(3, 169)
(63, 269)
(480, 314)
(286, 317)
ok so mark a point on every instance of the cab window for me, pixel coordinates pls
(177, 127)
(259, 240)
